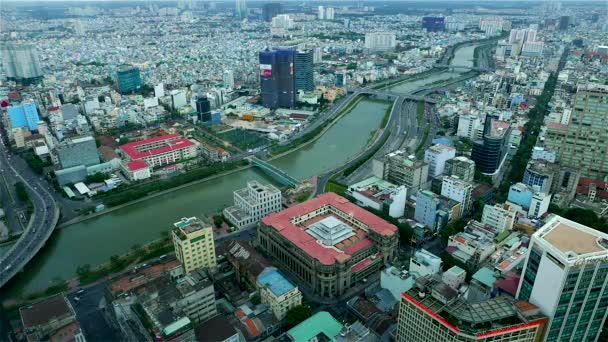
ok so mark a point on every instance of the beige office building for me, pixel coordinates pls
(193, 242)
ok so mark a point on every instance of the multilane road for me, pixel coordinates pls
(42, 221)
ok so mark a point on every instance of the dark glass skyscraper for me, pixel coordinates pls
(271, 10)
(304, 70)
(203, 108)
(489, 151)
(433, 24)
(129, 79)
(277, 78)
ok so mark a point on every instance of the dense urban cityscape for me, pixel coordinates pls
(237, 171)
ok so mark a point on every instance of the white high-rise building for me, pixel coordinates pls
(241, 9)
(330, 13)
(20, 61)
(436, 156)
(159, 91)
(566, 276)
(228, 78)
(499, 216)
(282, 21)
(252, 203)
(321, 14)
(455, 188)
(469, 126)
(380, 41)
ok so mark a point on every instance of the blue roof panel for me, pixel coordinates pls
(278, 284)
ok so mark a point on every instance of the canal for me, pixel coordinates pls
(95, 240)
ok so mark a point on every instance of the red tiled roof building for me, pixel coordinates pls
(328, 243)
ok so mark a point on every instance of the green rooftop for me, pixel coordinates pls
(320, 323)
(485, 276)
(455, 270)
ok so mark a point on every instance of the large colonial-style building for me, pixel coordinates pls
(328, 243)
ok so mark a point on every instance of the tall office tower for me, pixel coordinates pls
(228, 79)
(582, 144)
(304, 70)
(129, 79)
(271, 10)
(203, 108)
(241, 9)
(321, 13)
(566, 276)
(380, 41)
(330, 13)
(564, 22)
(491, 150)
(20, 62)
(277, 78)
(193, 243)
(433, 24)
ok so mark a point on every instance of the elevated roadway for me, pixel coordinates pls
(41, 224)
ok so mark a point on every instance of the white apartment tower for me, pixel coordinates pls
(380, 41)
(499, 216)
(566, 276)
(228, 79)
(436, 156)
(455, 188)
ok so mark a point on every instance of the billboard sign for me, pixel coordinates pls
(266, 70)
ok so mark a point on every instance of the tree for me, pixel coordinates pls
(115, 261)
(297, 314)
(123, 140)
(98, 177)
(452, 228)
(405, 234)
(218, 220)
(255, 300)
(22, 194)
(137, 249)
(83, 271)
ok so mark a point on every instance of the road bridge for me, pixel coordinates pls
(274, 172)
(465, 67)
(389, 94)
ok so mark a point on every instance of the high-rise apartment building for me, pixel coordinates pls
(500, 217)
(193, 243)
(271, 10)
(321, 12)
(304, 70)
(241, 9)
(380, 41)
(277, 78)
(436, 156)
(583, 142)
(129, 79)
(566, 276)
(469, 126)
(252, 203)
(401, 169)
(462, 167)
(20, 61)
(228, 79)
(435, 211)
(455, 188)
(490, 152)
